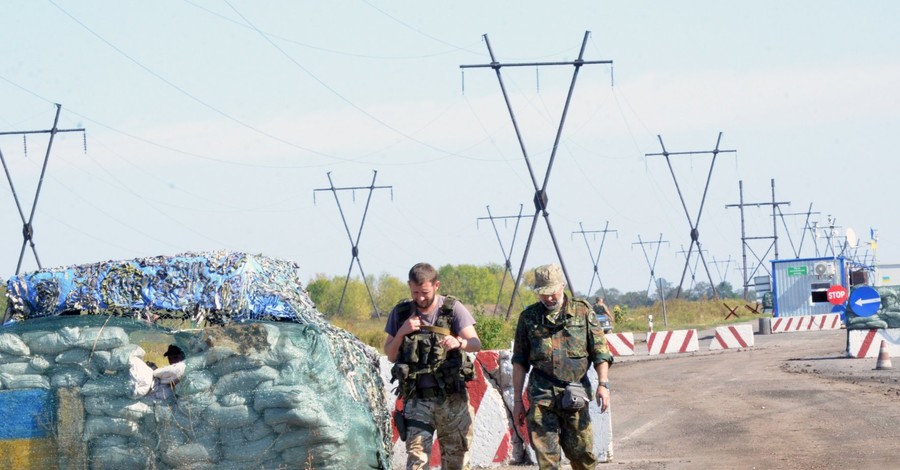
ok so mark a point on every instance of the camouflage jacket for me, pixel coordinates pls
(560, 347)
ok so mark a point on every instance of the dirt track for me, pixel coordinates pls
(793, 401)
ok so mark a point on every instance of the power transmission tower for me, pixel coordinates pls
(832, 233)
(354, 252)
(506, 257)
(694, 223)
(596, 258)
(727, 263)
(650, 265)
(540, 191)
(799, 249)
(744, 238)
(693, 268)
(27, 224)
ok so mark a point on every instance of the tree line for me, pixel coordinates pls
(485, 289)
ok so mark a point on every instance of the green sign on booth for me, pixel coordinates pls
(797, 271)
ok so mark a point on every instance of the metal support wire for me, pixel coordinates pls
(354, 252)
(694, 223)
(595, 259)
(506, 257)
(27, 224)
(540, 192)
(650, 265)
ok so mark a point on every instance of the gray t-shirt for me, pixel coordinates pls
(461, 317)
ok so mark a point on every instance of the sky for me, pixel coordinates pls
(222, 125)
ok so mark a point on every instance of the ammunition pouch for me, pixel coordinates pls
(400, 374)
(574, 397)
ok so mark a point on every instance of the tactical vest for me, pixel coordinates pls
(421, 353)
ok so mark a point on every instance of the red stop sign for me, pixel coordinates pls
(837, 294)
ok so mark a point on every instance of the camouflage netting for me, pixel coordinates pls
(216, 287)
(888, 316)
(292, 393)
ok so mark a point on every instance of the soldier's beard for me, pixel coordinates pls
(425, 304)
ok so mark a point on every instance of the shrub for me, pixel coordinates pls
(493, 330)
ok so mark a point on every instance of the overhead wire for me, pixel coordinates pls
(157, 144)
(194, 97)
(335, 51)
(339, 95)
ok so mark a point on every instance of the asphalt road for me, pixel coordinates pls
(792, 401)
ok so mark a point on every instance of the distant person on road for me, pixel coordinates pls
(600, 308)
(558, 339)
(427, 340)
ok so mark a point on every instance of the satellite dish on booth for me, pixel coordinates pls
(852, 241)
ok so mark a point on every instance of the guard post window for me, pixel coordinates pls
(819, 292)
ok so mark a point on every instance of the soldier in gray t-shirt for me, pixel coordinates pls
(433, 387)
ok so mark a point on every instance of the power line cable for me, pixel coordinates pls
(339, 95)
(195, 98)
(335, 51)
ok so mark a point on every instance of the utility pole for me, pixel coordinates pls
(650, 265)
(506, 256)
(354, 252)
(540, 191)
(744, 238)
(27, 224)
(797, 250)
(727, 263)
(595, 259)
(693, 269)
(693, 223)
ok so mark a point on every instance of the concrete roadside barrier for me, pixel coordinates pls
(732, 337)
(826, 321)
(668, 342)
(621, 344)
(864, 343)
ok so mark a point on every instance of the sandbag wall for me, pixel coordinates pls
(254, 395)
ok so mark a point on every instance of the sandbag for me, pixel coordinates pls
(12, 344)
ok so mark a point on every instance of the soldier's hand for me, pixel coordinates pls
(519, 413)
(603, 398)
(451, 342)
(412, 325)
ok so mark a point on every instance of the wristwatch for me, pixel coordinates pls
(605, 384)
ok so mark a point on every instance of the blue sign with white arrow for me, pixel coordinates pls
(865, 301)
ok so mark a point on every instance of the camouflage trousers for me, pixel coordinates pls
(451, 417)
(551, 429)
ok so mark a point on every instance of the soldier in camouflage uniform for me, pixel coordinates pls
(427, 340)
(558, 339)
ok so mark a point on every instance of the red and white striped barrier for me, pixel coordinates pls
(732, 337)
(825, 321)
(492, 443)
(493, 434)
(621, 344)
(677, 341)
(867, 343)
